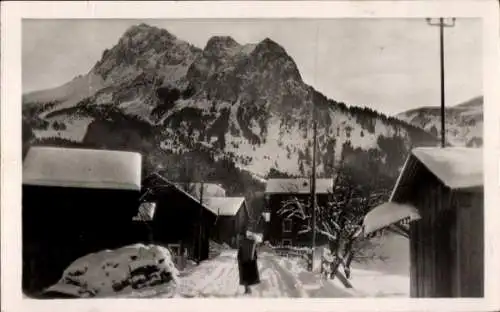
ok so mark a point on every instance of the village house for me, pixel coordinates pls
(175, 218)
(440, 191)
(232, 218)
(74, 202)
(283, 230)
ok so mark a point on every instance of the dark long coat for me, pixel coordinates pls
(247, 262)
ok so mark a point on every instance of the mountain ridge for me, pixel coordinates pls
(243, 103)
(463, 122)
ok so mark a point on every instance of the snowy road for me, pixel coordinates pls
(279, 278)
(218, 277)
(282, 277)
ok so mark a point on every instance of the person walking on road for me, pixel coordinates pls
(247, 261)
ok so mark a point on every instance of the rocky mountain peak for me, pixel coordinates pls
(144, 47)
(217, 43)
(142, 31)
(271, 57)
(270, 46)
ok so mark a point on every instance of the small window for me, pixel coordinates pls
(287, 225)
(286, 242)
(146, 212)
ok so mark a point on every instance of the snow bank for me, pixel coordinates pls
(370, 283)
(109, 272)
(389, 277)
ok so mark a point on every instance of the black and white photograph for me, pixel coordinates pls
(252, 158)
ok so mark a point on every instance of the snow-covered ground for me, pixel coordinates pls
(218, 277)
(287, 277)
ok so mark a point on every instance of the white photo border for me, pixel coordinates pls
(12, 14)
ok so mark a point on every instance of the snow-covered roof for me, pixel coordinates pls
(455, 167)
(83, 168)
(387, 214)
(224, 206)
(298, 186)
(209, 189)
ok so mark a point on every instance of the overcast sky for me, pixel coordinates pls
(390, 65)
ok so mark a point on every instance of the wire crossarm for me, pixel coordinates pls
(443, 22)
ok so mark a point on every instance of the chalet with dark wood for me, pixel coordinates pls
(74, 202)
(232, 218)
(179, 221)
(440, 190)
(284, 230)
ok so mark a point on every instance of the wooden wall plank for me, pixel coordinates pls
(413, 259)
(472, 246)
(434, 200)
(458, 247)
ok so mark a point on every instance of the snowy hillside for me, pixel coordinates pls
(155, 93)
(463, 122)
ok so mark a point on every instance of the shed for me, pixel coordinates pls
(287, 231)
(74, 201)
(232, 218)
(179, 221)
(441, 191)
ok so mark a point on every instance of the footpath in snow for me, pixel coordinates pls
(280, 277)
(283, 277)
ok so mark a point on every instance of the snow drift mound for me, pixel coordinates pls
(113, 271)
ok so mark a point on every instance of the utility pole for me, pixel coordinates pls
(442, 24)
(200, 238)
(313, 192)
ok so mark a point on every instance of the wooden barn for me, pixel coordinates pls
(440, 190)
(282, 231)
(74, 202)
(232, 218)
(179, 221)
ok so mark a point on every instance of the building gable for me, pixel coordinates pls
(224, 206)
(455, 167)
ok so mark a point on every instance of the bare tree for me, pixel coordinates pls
(339, 221)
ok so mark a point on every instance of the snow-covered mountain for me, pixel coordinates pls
(463, 122)
(242, 103)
